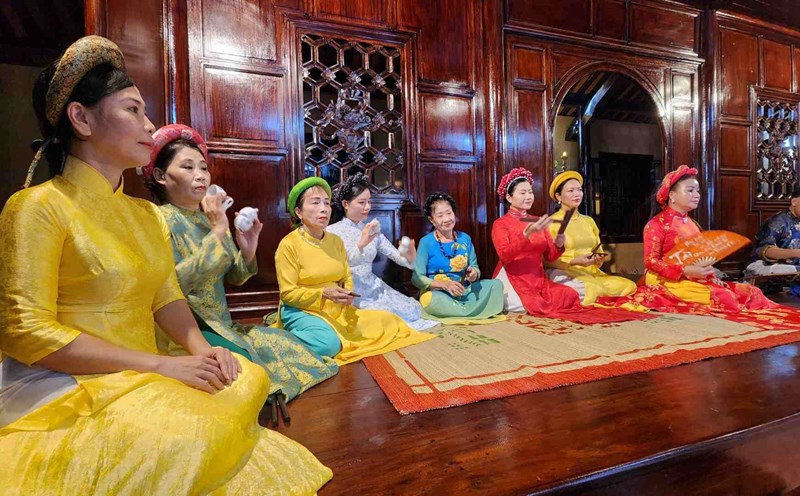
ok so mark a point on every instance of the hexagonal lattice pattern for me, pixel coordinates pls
(352, 111)
(776, 150)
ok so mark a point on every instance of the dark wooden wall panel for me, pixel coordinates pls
(445, 26)
(372, 12)
(456, 179)
(244, 107)
(611, 18)
(528, 65)
(238, 99)
(683, 88)
(739, 66)
(446, 125)
(736, 213)
(136, 28)
(683, 147)
(289, 4)
(777, 65)
(529, 141)
(734, 143)
(238, 28)
(262, 182)
(796, 66)
(565, 15)
(652, 24)
(659, 26)
(748, 57)
(449, 133)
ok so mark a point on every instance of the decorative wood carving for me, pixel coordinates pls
(776, 149)
(353, 111)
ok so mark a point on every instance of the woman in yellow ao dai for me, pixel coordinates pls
(85, 273)
(577, 267)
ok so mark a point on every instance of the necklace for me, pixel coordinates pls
(441, 246)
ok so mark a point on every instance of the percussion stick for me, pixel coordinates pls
(536, 219)
(567, 217)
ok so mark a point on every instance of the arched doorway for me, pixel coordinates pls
(609, 129)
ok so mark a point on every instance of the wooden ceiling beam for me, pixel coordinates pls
(597, 98)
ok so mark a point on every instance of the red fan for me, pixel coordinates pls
(706, 248)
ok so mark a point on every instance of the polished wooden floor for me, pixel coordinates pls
(727, 426)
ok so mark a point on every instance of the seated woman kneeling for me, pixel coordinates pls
(669, 286)
(353, 203)
(206, 258)
(447, 270)
(579, 266)
(88, 405)
(317, 288)
(523, 243)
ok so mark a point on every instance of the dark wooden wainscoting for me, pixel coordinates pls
(230, 69)
(749, 60)
(482, 83)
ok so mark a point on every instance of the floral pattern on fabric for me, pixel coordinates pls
(458, 263)
(81, 257)
(666, 289)
(204, 264)
(80, 58)
(481, 300)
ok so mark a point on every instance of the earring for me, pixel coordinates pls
(559, 202)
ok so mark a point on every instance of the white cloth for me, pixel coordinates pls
(376, 294)
(511, 300)
(760, 268)
(24, 389)
(562, 277)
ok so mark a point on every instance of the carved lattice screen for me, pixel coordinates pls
(352, 111)
(776, 149)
